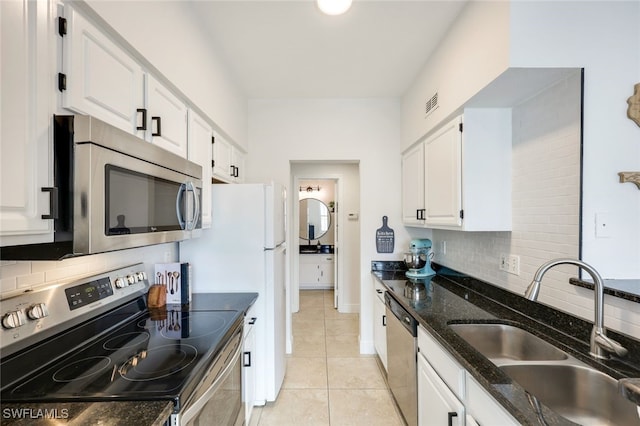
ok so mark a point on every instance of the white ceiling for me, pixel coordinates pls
(289, 49)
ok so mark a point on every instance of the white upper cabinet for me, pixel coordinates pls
(228, 161)
(443, 176)
(467, 174)
(102, 80)
(167, 115)
(200, 151)
(27, 47)
(413, 186)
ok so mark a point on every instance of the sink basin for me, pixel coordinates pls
(501, 342)
(578, 393)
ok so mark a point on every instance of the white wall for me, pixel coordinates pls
(366, 131)
(604, 38)
(169, 35)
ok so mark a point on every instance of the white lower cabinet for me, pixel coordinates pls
(483, 409)
(379, 323)
(448, 395)
(316, 271)
(249, 375)
(437, 405)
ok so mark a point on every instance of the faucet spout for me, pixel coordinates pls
(600, 344)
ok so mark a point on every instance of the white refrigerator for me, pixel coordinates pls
(244, 251)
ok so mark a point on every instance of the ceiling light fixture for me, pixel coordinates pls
(334, 7)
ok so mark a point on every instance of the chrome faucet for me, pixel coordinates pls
(600, 344)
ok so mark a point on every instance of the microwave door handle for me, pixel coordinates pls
(196, 204)
(181, 190)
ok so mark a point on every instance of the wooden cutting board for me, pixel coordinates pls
(385, 238)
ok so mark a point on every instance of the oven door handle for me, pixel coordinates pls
(193, 409)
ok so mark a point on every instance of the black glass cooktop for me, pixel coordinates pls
(148, 356)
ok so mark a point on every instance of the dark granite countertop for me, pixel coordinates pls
(125, 413)
(624, 289)
(456, 298)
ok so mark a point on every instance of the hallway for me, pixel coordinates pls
(328, 382)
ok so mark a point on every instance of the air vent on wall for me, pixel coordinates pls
(431, 104)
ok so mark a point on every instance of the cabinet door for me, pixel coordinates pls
(326, 271)
(437, 405)
(26, 58)
(199, 151)
(443, 176)
(413, 186)
(379, 327)
(249, 365)
(308, 273)
(222, 159)
(167, 118)
(102, 79)
(484, 409)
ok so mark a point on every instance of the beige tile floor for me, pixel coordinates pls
(328, 382)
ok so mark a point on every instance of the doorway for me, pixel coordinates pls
(336, 186)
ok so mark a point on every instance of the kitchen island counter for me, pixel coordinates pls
(452, 297)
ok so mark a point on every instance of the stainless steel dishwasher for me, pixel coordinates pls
(401, 359)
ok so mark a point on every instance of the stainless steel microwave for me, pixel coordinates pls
(114, 191)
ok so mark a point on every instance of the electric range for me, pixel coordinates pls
(96, 340)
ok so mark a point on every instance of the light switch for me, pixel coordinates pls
(603, 225)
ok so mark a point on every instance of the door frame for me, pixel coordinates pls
(338, 254)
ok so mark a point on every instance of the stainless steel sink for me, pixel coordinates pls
(501, 342)
(578, 393)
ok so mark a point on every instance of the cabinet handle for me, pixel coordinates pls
(237, 172)
(158, 131)
(142, 111)
(378, 291)
(451, 415)
(53, 202)
(233, 171)
(252, 320)
(384, 320)
(246, 362)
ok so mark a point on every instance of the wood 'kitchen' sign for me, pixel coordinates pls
(385, 238)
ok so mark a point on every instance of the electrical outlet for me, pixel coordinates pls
(510, 263)
(504, 263)
(514, 264)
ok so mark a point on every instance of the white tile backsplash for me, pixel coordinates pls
(546, 213)
(20, 276)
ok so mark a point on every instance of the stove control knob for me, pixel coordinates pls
(37, 311)
(13, 319)
(141, 276)
(131, 279)
(120, 282)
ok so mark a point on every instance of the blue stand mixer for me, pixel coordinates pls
(418, 259)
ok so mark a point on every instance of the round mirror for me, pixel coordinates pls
(315, 219)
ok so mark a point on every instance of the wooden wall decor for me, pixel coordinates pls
(633, 177)
(633, 112)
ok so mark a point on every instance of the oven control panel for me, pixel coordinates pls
(46, 309)
(86, 293)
